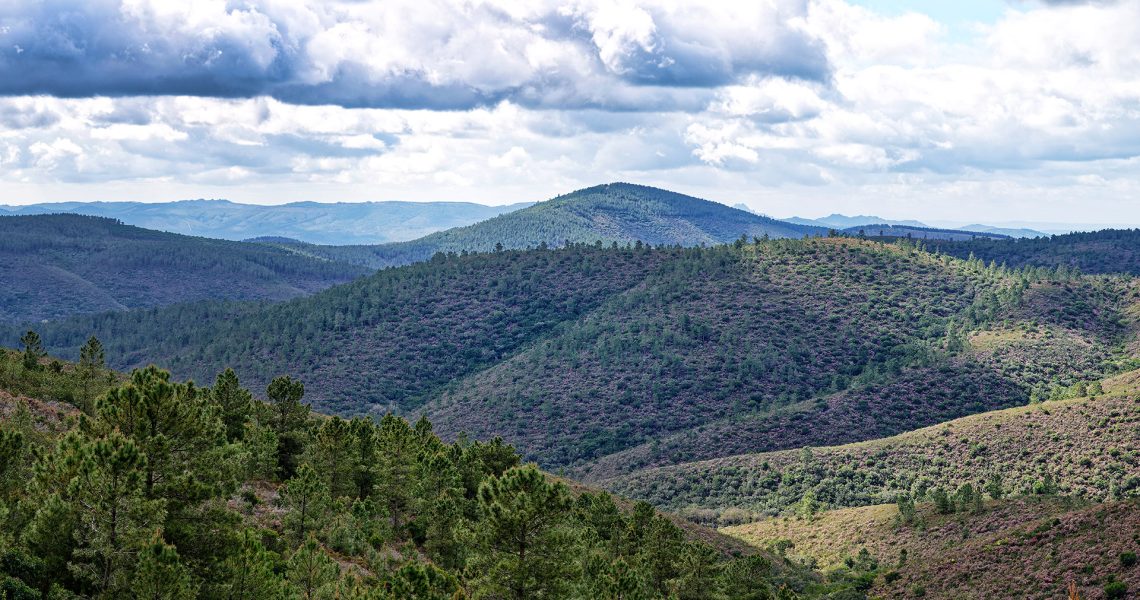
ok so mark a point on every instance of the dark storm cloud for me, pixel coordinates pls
(81, 49)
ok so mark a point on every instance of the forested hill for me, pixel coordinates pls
(920, 233)
(58, 265)
(1107, 251)
(619, 213)
(605, 359)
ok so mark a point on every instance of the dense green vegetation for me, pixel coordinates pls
(778, 382)
(617, 213)
(58, 265)
(385, 342)
(609, 359)
(170, 490)
(755, 341)
(1108, 251)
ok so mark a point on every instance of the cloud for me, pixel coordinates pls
(783, 105)
(401, 53)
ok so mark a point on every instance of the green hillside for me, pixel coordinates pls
(54, 266)
(606, 360)
(619, 213)
(778, 345)
(919, 233)
(164, 489)
(388, 341)
(1081, 447)
(1108, 251)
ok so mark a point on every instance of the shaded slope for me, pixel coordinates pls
(57, 265)
(723, 332)
(384, 342)
(619, 213)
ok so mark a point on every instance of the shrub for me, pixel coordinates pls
(1115, 589)
(1127, 559)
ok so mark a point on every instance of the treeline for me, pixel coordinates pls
(1107, 251)
(170, 490)
(417, 327)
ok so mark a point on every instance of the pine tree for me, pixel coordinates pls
(249, 573)
(33, 350)
(114, 517)
(397, 452)
(311, 572)
(617, 580)
(160, 574)
(746, 578)
(234, 404)
(92, 363)
(422, 582)
(289, 421)
(176, 429)
(306, 498)
(330, 454)
(699, 570)
(523, 546)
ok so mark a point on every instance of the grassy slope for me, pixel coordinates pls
(1088, 445)
(59, 265)
(1026, 547)
(619, 212)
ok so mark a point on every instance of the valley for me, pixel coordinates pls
(780, 394)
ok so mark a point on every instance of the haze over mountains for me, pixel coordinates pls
(312, 222)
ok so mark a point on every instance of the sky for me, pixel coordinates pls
(964, 111)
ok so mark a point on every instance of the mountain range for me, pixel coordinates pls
(312, 222)
(853, 223)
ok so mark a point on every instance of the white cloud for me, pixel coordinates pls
(786, 105)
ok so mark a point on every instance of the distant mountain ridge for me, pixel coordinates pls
(838, 221)
(311, 222)
(844, 222)
(621, 213)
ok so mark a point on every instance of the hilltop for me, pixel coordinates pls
(310, 222)
(59, 265)
(616, 213)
